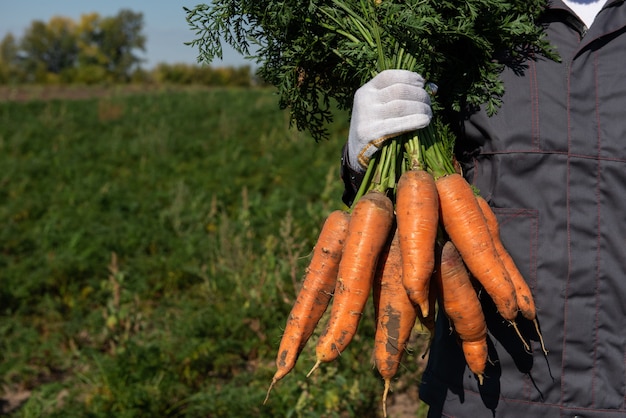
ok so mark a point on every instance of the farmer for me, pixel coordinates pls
(552, 164)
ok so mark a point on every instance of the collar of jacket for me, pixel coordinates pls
(603, 27)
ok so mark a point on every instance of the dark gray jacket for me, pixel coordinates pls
(552, 163)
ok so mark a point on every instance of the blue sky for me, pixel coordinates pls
(165, 26)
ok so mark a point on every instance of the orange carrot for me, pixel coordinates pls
(524, 296)
(462, 307)
(429, 321)
(465, 224)
(417, 213)
(395, 314)
(314, 295)
(370, 223)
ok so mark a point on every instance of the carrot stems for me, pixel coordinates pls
(365, 184)
(381, 172)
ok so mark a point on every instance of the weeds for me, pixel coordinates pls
(149, 260)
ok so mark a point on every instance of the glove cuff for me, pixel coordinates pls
(371, 148)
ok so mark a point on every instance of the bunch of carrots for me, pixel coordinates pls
(418, 237)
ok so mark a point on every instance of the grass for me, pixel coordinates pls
(150, 251)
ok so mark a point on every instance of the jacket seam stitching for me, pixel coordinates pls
(564, 352)
(598, 237)
(565, 153)
(534, 113)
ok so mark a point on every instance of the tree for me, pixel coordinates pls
(93, 50)
(118, 38)
(110, 43)
(49, 47)
(8, 50)
(9, 62)
(88, 35)
(92, 65)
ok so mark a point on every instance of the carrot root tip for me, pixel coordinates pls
(315, 367)
(267, 396)
(543, 347)
(385, 393)
(425, 308)
(519, 334)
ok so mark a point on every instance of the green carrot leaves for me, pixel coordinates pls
(316, 51)
(319, 51)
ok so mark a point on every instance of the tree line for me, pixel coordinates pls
(96, 50)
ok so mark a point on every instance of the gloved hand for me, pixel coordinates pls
(392, 103)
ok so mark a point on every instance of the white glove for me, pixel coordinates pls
(392, 103)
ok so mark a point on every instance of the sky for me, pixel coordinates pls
(165, 26)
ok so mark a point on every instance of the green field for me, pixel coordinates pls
(150, 250)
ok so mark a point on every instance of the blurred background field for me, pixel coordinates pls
(150, 250)
(156, 221)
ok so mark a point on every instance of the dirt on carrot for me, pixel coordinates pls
(395, 314)
(465, 224)
(417, 213)
(314, 295)
(524, 297)
(462, 307)
(370, 224)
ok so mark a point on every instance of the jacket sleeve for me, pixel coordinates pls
(351, 179)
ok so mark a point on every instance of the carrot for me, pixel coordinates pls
(395, 314)
(462, 307)
(370, 224)
(314, 295)
(523, 293)
(429, 321)
(417, 213)
(465, 224)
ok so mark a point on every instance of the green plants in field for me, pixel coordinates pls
(149, 260)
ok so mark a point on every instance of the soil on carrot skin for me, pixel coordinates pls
(403, 401)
